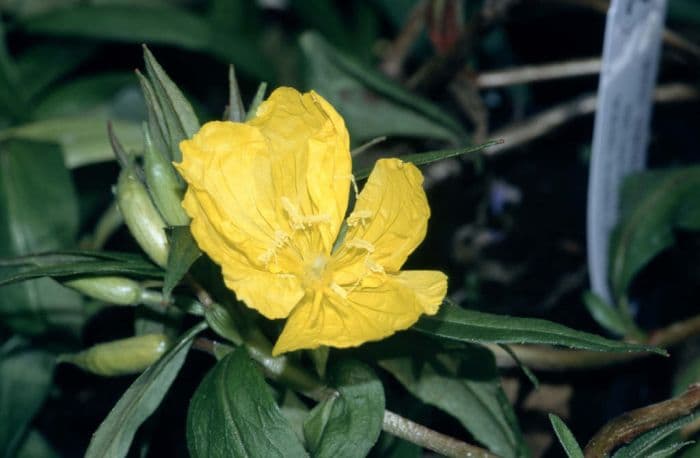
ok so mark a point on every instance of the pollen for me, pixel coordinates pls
(359, 216)
(281, 238)
(360, 244)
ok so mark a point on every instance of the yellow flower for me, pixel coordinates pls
(267, 200)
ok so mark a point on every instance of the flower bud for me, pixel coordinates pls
(141, 216)
(165, 186)
(114, 290)
(120, 357)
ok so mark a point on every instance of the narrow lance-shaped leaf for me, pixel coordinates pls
(372, 105)
(179, 116)
(453, 322)
(566, 437)
(114, 436)
(432, 156)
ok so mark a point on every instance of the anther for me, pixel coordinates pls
(361, 244)
(359, 216)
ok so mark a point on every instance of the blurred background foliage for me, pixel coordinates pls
(508, 225)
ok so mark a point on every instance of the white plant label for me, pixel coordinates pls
(631, 51)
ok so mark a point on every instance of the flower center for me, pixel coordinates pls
(316, 275)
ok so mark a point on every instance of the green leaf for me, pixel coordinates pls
(453, 322)
(13, 101)
(372, 105)
(349, 424)
(669, 450)
(178, 115)
(470, 392)
(82, 268)
(150, 24)
(81, 94)
(644, 445)
(46, 63)
(235, 109)
(221, 322)
(432, 156)
(566, 437)
(25, 379)
(608, 317)
(83, 139)
(257, 100)
(183, 253)
(38, 211)
(232, 413)
(114, 436)
(36, 446)
(653, 203)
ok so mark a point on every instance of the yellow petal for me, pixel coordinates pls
(388, 222)
(310, 158)
(272, 294)
(366, 314)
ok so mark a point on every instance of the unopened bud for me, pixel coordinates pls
(120, 357)
(165, 186)
(141, 216)
(114, 290)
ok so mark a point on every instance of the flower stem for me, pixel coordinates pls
(425, 437)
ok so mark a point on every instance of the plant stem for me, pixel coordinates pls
(629, 425)
(555, 359)
(425, 437)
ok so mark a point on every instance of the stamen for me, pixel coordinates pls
(373, 266)
(339, 290)
(297, 220)
(359, 216)
(295, 217)
(361, 244)
(280, 239)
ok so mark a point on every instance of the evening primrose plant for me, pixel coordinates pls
(264, 248)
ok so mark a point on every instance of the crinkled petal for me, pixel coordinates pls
(366, 314)
(388, 222)
(310, 159)
(272, 294)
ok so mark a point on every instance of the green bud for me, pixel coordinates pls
(120, 357)
(165, 185)
(114, 290)
(141, 216)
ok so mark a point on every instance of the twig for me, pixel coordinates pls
(555, 359)
(629, 425)
(467, 95)
(395, 55)
(367, 145)
(535, 73)
(281, 369)
(540, 124)
(201, 293)
(425, 437)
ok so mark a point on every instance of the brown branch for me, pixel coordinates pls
(395, 54)
(535, 73)
(629, 425)
(542, 123)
